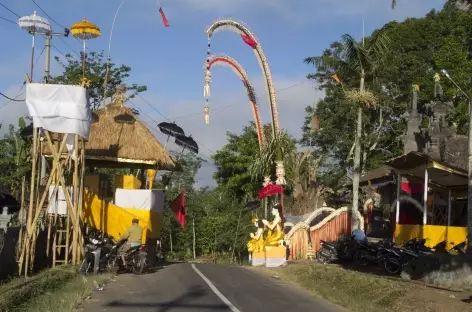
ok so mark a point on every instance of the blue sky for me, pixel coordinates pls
(170, 60)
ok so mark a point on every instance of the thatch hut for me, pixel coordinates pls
(119, 139)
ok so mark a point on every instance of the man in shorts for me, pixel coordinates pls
(133, 236)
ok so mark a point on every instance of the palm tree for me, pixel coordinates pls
(359, 58)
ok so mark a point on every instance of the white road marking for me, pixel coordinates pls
(215, 290)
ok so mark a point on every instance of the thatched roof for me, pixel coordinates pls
(118, 139)
(116, 135)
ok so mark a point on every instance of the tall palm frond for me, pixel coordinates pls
(379, 43)
(354, 53)
(273, 149)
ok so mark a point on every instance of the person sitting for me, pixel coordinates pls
(133, 237)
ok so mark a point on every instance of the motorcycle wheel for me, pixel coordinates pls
(361, 258)
(322, 257)
(392, 266)
(85, 266)
(138, 264)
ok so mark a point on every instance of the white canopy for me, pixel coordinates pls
(59, 108)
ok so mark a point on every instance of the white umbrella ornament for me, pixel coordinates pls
(34, 24)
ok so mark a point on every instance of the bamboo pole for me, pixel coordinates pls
(81, 199)
(48, 243)
(21, 217)
(60, 174)
(54, 243)
(32, 192)
(66, 259)
(31, 225)
(75, 195)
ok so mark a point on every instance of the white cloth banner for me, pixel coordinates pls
(59, 108)
(152, 200)
(57, 204)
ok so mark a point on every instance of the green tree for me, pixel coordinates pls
(358, 58)
(15, 160)
(95, 71)
(241, 166)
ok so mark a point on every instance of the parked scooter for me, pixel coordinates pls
(459, 248)
(341, 250)
(100, 255)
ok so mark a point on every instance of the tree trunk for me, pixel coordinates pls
(357, 164)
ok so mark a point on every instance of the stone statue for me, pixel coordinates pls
(275, 233)
(256, 244)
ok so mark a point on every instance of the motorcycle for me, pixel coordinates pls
(136, 259)
(371, 253)
(459, 248)
(343, 249)
(100, 255)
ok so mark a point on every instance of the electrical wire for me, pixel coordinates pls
(52, 45)
(1, 4)
(7, 20)
(208, 159)
(49, 16)
(227, 106)
(11, 99)
(55, 22)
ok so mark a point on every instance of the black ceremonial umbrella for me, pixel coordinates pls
(171, 129)
(187, 142)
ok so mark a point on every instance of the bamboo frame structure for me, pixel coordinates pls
(72, 221)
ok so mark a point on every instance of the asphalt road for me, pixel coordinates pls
(203, 287)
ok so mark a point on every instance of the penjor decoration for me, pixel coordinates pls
(251, 41)
(241, 73)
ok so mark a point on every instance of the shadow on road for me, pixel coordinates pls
(183, 301)
(150, 269)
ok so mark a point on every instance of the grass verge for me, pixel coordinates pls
(58, 289)
(353, 290)
(363, 292)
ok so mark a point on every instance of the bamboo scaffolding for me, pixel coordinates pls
(73, 240)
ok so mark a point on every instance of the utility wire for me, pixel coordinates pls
(218, 108)
(11, 99)
(152, 106)
(13, 22)
(52, 45)
(49, 16)
(7, 20)
(55, 22)
(1, 4)
(208, 160)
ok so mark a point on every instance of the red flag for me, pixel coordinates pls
(249, 41)
(178, 205)
(164, 19)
